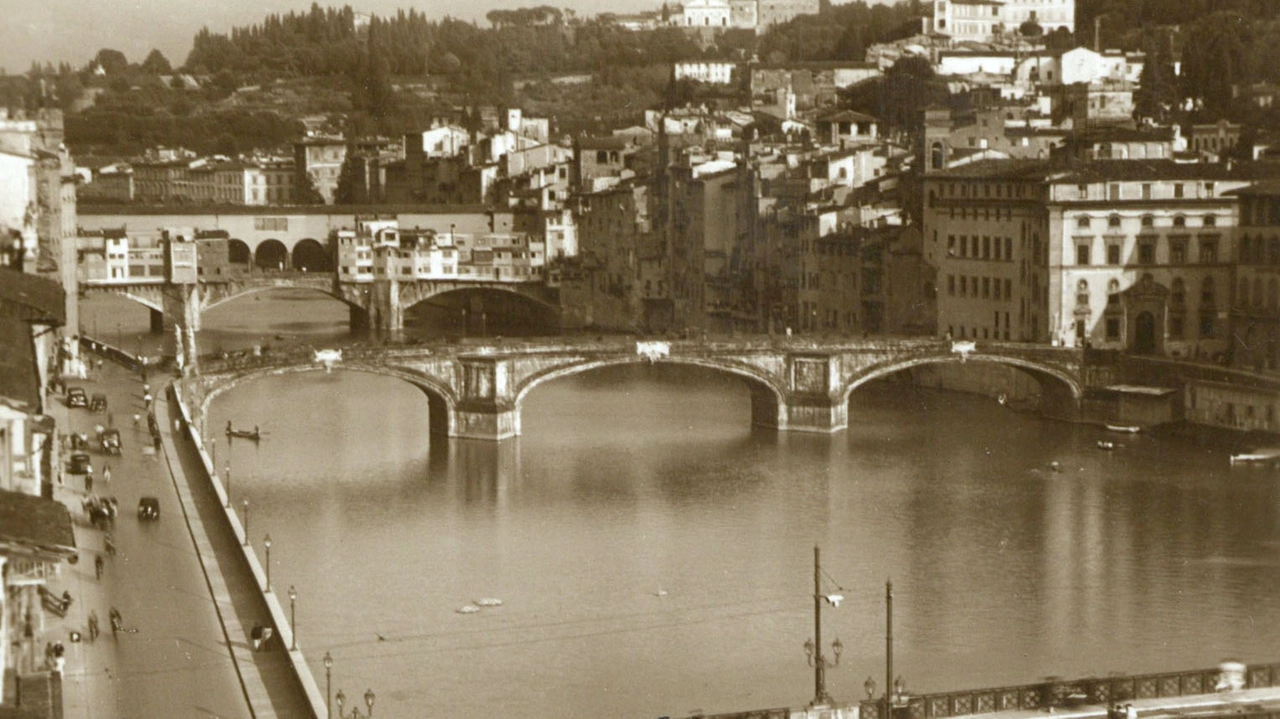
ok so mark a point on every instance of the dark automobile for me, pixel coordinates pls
(111, 441)
(149, 508)
(76, 397)
(98, 403)
(80, 464)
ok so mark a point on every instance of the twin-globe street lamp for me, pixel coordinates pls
(355, 710)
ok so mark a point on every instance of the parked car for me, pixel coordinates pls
(98, 403)
(149, 508)
(76, 397)
(80, 464)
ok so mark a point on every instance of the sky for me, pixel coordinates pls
(74, 30)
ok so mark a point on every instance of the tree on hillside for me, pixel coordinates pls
(1215, 57)
(1157, 92)
(348, 179)
(1030, 28)
(156, 64)
(112, 62)
(900, 97)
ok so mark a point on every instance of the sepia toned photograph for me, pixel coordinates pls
(697, 359)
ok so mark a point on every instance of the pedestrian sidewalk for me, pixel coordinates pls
(87, 679)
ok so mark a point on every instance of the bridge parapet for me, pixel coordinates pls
(1057, 693)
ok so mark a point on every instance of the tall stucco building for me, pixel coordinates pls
(981, 20)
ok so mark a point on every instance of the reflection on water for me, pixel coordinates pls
(654, 552)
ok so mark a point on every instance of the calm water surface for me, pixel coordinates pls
(634, 482)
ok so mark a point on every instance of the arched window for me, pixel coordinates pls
(1210, 221)
(936, 156)
(1178, 293)
(1179, 221)
(1207, 293)
(1113, 220)
(1082, 293)
(1082, 222)
(1148, 221)
(1257, 292)
(1113, 293)
(1246, 249)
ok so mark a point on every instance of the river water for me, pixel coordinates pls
(654, 553)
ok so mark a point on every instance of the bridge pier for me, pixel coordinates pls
(182, 303)
(815, 396)
(487, 408)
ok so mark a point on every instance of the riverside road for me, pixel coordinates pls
(173, 658)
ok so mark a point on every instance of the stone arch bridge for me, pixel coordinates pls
(477, 392)
(377, 305)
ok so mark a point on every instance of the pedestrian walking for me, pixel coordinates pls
(1130, 712)
(136, 419)
(106, 474)
(256, 635)
(177, 425)
(99, 566)
(88, 480)
(93, 625)
(111, 419)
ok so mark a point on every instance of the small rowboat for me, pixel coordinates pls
(1126, 428)
(253, 434)
(1271, 454)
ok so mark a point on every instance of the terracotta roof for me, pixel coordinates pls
(35, 525)
(1269, 187)
(32, 298)
(1122, 170)
(847, 116)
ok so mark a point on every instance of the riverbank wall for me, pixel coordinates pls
(280, 618)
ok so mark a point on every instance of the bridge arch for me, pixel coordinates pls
(271, 255)
(238, 252)
(153, 303)
(311, 255)
(253, 290)
(768, 399)
(440, 398)
(1052, 380)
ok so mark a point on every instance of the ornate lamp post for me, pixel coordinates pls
(266, 542)
(328, 684)
(226, 471)
(293, 619)
(813, 647)
(355, 710)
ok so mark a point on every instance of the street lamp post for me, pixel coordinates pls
(813, 647)
(226, 471)
(293, 619)
(355, 710)
(246, 522)
(328, 685)
(266, 542)
(213, 451)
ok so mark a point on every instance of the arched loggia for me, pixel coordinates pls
(312, 256)
(238, 252)
(271, 255)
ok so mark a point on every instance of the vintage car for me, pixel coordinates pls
(148, 508)
(76, 397)
(80, 464)
(111, 441)
(98, 403)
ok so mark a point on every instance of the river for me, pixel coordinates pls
(654, 553)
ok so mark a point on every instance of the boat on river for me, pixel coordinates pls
(1268, 454)
(1126, 428)
(253, 434)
